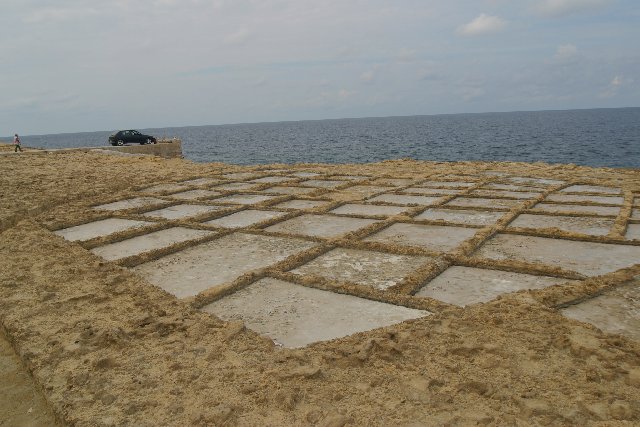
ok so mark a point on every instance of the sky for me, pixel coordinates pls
(85, 65)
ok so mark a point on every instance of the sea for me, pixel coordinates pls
(592, 137)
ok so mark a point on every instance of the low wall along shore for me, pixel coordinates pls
(167, 149)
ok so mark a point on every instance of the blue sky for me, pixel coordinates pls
(83, 65)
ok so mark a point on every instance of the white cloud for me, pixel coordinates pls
(483, 24)
(565, 52)
(567, 7)
(614, 86)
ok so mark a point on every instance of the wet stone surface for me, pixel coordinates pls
(585, 225)
(588, 258)
(439, 238)
(149, 242)
(210, 264)
(616, 311)
(466, 285)
(327, 226)
(296, 316)
(376, 269)
(100, 228)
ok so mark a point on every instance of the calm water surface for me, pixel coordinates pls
(598, 137)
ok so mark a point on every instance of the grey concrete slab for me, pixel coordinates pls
(368, 190)
(149, 242)
(368, 210)
(245, 199)
(439, 238)
(182, 211)
(302, 204)
(406, 199)
(244, 218)
(193, 270)
(194, 194)
(135, 203)
(480, 202)
(289, 190)
(560, 208)
(534, 181)
(577, 198)
(164, 188)
(448, 184)
(586, 225)
(101, 228)
(635, 213)
(467, 216)
(272, 179)
(432, 191)
(241, 175)
(295, 316)
(322, 183)
(596, 189)
(327, 226)
(615, 312)
(588, 258)
(507, 194)
(376, 269)
(233, 186)
(633, 232)
(395, 182)
(466, 285)
(202, 182)
(350, 177)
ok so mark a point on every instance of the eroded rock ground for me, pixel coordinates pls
(145, 291)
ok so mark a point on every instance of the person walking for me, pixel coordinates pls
(16, 142)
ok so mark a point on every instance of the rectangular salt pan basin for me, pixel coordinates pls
(100, 228)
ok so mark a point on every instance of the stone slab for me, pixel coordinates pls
(214, 263)
(289, 190)
(588, 258)
(510, 187)
(448, 184)
(182, 211)
(202, 182)
(633, 232)
(101, 228)
(596, 189)
(350, 177)
(406, 199)
(149, 242)
(578, 198)
(585, 225)
(466, 285)
(375, 269)
(305, 174)
(245, 199)
(233, 186)
(244, 218)
(368, 210)
(439, 238)
(560, 208)
(241, 175)
(164, 188)
(432, 191)
(635, 213)
(272, 179)
(295, 316)
(135, 203)
(458, 216)
(615, 312)
(507, 194)
(327, 226)
(396, 182)
(322, 183)
(302, 204)
(480, 202)
(194, 194)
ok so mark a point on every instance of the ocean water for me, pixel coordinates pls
(596, 137)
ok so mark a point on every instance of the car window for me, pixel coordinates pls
(135, 132)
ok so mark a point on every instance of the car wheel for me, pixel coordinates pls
(120, 142)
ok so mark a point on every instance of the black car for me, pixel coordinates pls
(131, 137)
